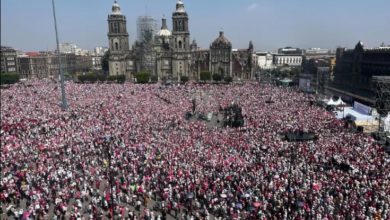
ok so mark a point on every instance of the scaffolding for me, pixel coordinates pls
(382, 103)
(146, 28)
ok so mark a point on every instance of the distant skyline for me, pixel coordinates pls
(28, 25)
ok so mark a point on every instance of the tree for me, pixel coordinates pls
(205, 75)
(294, 72)
(9, 78)
(121, 78)
(102, 77)
(105, 65)
(154, 79)
(228, 79)
(142, 77)
(89, 77)
(184, 79)
(217, 77)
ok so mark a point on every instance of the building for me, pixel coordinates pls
(172, 54)
(287, 60)
(45, 64)
(355, 69)
(146, 28)
(68, 48)
(221, 56)
(290, 51)
(99, 51)
(118, 42)
(313, 53)
(264, 60)
(8, 60)
(33, 65)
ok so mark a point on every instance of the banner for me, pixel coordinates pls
(364, 109)
(304, 85)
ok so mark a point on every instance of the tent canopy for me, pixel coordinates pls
(337, 102)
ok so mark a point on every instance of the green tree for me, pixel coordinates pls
(111, 78)
(228, 79)
(217, 77)
(88, 77)
(154, 79)
(205, 75)
(121, 78)
(142, 77)
(9, 78)
(184, 79)
(102, 77)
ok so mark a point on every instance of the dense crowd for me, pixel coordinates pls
(126, 151)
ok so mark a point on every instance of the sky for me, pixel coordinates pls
(271, 24)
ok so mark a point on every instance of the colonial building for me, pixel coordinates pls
(221, 56)
(356, 67)
(118, 40)
(45, 64)
(171, 54)
(8, 59)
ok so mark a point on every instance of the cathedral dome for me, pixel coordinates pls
(116, 9)
(164, 32)
(180, 7)
(221, 41)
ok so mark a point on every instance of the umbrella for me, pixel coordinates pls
(239, 205)
(256, 204)
(223, 195)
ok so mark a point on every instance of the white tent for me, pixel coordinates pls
(330, 101)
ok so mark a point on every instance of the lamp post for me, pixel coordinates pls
(64, 103)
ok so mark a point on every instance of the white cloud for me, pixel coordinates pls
(252, 7)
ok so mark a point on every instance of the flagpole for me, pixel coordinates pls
(64, 103)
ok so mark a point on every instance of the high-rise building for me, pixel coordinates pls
(146, 28)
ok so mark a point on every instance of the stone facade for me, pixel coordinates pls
(356, 67)
(118, 40)
(8, 59)
(221, 56)
(170, 55)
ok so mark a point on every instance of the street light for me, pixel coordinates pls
(64, 104)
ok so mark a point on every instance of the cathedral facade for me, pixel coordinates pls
(171, 54)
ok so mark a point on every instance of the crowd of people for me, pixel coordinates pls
(126, 151)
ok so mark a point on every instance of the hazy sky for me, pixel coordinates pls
(28, 24)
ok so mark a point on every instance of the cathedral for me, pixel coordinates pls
(171, 54)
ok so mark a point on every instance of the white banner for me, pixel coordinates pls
(364, 109)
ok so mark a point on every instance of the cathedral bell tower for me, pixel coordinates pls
(180, 32)
(118, 41)
(180, 44)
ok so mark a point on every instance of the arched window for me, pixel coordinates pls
(116, 46)
(180, 44)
